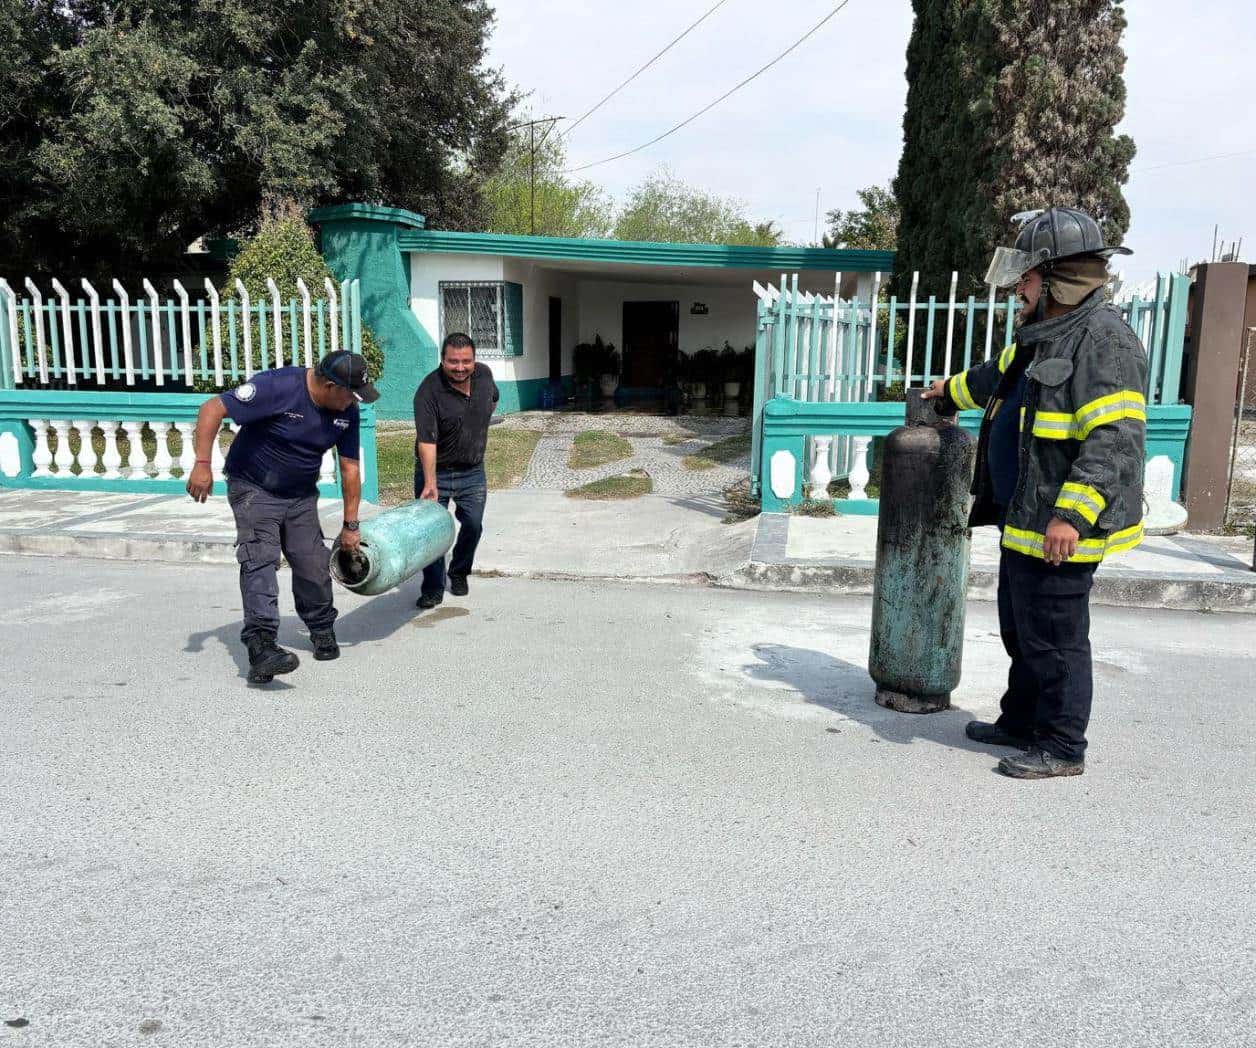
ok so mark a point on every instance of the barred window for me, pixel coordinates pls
(477, 308)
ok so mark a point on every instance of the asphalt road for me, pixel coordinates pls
(559, 814)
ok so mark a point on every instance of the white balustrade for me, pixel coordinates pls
(137, 457)
(187, 453)
(42, 455)
(87, 450)
(859, 475)
(64, 458)
(327, 470)
(162, 460)
(217, 459)
(112, 458)
(821, 473)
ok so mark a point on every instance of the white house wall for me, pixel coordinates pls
(539, 284)
(731, 316)
(428, 269)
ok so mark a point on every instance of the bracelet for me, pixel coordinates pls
(204, 462)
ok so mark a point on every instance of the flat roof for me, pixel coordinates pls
(648, 253)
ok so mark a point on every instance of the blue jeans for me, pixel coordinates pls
(468, 488)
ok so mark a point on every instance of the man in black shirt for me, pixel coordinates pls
(452, 409)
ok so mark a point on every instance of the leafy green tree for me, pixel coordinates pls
(1010, 106)
(874, 228)
(562, 207)
(139, 126)
(283, 249)
(663, 208)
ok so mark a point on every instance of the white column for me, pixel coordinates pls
(162, 460)
(137, 459)
(42, 455)
(87, 451)
(112, 458)
(821, 474)
(859, 475)
(327, 471)
(64, 458)
(218, 460)
(187, 455)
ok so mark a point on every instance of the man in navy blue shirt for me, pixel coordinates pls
(289, 419)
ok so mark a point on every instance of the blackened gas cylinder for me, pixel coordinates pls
(922, 561)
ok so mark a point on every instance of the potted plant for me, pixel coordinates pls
(586, 361)
(730, 372)
(702, 367)
(608, 373)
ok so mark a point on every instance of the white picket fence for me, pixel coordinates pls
(175, 342)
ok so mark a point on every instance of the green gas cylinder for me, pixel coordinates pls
(396, 544)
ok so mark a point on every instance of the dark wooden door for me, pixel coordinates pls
(651, 331)
(555, 339)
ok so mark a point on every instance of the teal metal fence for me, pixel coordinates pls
(818, 357)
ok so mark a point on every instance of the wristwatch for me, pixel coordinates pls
(352, 525)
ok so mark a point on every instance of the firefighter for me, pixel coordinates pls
(1059, 471)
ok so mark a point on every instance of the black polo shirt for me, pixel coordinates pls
(456, 423)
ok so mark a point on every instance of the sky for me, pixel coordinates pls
(829, 116)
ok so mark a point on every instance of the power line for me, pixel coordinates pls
(1197, 160)
(581, 119)
(763, 69)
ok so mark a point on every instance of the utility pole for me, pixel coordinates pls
(532, 147)
(815, 234)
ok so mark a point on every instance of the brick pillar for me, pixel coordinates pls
(1211, 385)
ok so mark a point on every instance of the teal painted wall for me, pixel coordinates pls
(525, 395)
(362, 243)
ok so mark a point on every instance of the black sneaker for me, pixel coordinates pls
(427, 601)
(268, 660)
(1039, 764)
(993, 735)
(458, 585)
(325, 646)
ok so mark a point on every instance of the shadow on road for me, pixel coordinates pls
(375, 619)
(845, 688)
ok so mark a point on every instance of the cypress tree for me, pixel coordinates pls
(1010, 106)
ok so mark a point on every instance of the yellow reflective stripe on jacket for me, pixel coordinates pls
(1127, 404)
(1006, 357)
(957, 387)
(1053, 425)
(1089, 551)
(1083, 499)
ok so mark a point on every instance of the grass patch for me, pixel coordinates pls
(626, 486)
(506, 460)
(813, 508)
(739, 503)
(730, 449)
(508, 454)
(670, 440)
(596, 447)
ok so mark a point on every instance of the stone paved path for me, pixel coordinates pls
(662, 461)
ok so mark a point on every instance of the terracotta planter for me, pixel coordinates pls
(732, 390)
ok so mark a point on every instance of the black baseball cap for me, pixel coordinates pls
(348, 370)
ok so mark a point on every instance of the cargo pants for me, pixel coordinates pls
(267, 526)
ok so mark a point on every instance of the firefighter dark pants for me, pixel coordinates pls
(1044, 619)
(267, 526)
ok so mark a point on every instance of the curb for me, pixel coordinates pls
(1112, 588)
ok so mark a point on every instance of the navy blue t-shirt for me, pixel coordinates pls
(284, 434)
(1003, 456)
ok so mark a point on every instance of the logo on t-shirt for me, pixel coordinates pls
(246, 392)
(343, 423)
